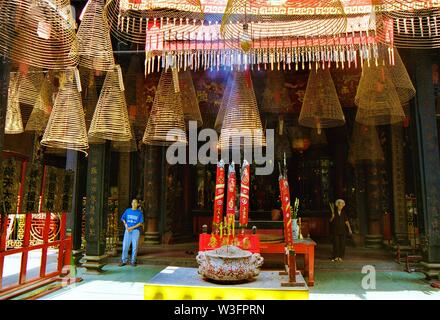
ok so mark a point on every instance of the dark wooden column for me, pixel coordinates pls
(76, 161)
(152, 193)
(374, 200)
(97, 201)
(124, 176)
(427, 155)
(5, 69)
(398, 178)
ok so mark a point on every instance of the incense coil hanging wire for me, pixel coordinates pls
(401, 80)
(166, 116)
(241, 25)
(276, 97)
(377, 99)
(42, 108)
(242, 124)
(39, 33)
(222, 109)
(110, 120)
(95, 46)
(66, 128)
(191, 110)
(14, 121)
(321, 107)
(365, 145)
(133, 21)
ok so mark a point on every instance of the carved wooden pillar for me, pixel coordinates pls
(76, 161)
(398, 178)
(98, 175)
(427, 156)
(152, 193)
(374, 201)
(123, 186)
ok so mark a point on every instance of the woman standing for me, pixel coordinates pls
(339, 225)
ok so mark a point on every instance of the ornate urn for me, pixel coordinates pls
(229, 264)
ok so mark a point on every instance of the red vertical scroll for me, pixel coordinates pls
(244, 194)
(219, 193)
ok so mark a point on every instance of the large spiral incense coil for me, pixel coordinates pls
(222, 109)
(321, 107)
(166, 124)
(243, 20)
(135, 21)
(242, 124)
(110, 120)
(29, 86)
(38, 33)
(43, 105)
(124, 146)
(66, 128)
(377, 99)
(13, 122)
(401, 80)
(191, 110)
(365, 145)
(276, 97)
(95, 46)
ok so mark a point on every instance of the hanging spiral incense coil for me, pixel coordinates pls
(110, 120)
(13, 122)
(95, 46)
(321, 107)
(134, 22)
(66, 128)
(377, 99)
(276, 96)
(190, 103)
(242, 124)
(29, 85)
(42, 108)
(365, 145)
(38, 33)
(166, 116)
(221, 111)
(124, 146)
(401, 80)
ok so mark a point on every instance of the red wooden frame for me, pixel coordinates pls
(64, 252)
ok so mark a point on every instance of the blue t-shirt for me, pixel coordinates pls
(132, 217)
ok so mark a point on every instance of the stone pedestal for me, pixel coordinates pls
(77, 255)
(94, 264)
(431, 270)
(152, 235)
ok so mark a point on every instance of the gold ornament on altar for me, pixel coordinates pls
(66, 128)
(321, 107)
(110, 120)
(166, 124)
(191, 110)
(241, 125)
(39, 33)
(95, 46)
(377, 99)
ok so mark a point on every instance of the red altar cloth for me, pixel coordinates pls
(253, 245)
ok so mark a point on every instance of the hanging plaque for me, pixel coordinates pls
(9, 177)
(32, 188)
(67, 191)
(52, 190)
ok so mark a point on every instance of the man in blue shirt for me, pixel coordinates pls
(133, 219)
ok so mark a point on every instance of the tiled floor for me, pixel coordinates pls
(333, 280)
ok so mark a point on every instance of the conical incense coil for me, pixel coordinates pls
(276, 96)
(377, 99)
(110, 120)
(39, 33)
(13, 122)
(42, 108)
(166, 117)
(365, 145)
(401, 80)
(94, 42)
(124, 146)
(221, 111)
(66, 128)
(242, 124)
(29, 86)
(321, 107)
(191, 110)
